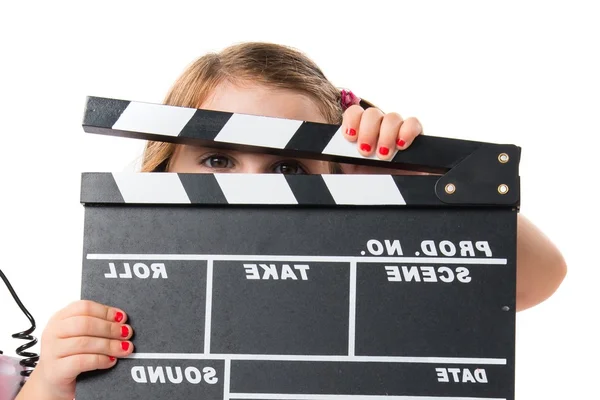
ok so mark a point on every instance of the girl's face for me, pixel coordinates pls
(257, 100)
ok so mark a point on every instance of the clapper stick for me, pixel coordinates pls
(308, 287)
(474, 172)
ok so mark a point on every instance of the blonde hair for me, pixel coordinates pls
(270, 64)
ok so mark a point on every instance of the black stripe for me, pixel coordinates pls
(312, 137)
(418, 190)
(205, 124)
(202, 188)
(102, 112)
(99, 188)
(310, 189)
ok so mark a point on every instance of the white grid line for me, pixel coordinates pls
(208, 311)
(319, 358)
(352, 311)
(227, 380)
(288, 258)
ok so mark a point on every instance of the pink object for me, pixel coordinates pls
(348, 99)
(10, 377)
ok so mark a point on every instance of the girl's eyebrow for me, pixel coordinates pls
(199, 148)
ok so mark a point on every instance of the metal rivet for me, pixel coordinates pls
(503, 189)
(505, 308)
(503, 158)
(450, 188)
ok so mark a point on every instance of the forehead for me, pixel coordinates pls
(259, 99)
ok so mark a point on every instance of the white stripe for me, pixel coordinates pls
(140, 187)
(363, 189)
(352, 314)
(254, 257)
(256, 189)
(154, 118)
(208, 311)
(340, 146)
(291, 396)
(285, 357)
(258, 131)
(227, 380)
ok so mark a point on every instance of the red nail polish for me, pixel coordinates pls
(111, 358)
(384, 150)
(400, 142)
(365, 147)
(350, 132)
(119, 316)
(124, 331)
(125, 346)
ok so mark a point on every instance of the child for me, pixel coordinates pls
(270, 80)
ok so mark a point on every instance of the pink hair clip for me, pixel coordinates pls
(348, 99)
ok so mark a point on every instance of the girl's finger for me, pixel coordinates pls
(351, 122)
(92, 345)
(89, 326)
(410, 129)
(368, 132)
(91, 309)
(388, 135)
(69, 368)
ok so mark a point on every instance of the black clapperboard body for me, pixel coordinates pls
(303, 287)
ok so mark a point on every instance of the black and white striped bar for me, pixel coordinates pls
(267, 189)
(265, 134)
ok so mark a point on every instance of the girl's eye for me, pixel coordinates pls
(289, 167)
(218, 162)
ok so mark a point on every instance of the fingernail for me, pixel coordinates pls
(125, 345)
(124, 331)
(119, 316)
(365, 147)
(384, 151)
(350, 132)
(111, 358)
(400, 142)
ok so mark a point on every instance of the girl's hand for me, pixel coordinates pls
(84, 336)
(379, 133)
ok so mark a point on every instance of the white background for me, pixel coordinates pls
(520, 72)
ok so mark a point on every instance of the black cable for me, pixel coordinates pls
(30, 360)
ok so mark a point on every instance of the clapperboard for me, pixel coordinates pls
(303, 287)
